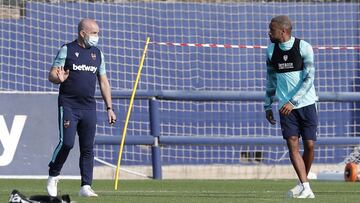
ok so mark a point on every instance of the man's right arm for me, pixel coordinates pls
(58, 64)
(271, 81)
(270, 89)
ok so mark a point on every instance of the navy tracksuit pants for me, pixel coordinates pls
(82, 122)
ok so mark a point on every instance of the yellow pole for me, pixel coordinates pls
(129, 111)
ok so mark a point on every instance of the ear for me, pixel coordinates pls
(82, 34)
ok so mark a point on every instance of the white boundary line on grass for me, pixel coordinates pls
(68, 177)
(113, 166)
(27, 92)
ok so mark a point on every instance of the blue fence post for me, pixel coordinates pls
(155, 131)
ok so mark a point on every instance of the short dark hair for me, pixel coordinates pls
(284, 21)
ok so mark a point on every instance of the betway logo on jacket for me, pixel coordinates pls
(85, 68)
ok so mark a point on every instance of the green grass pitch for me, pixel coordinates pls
(187, 191)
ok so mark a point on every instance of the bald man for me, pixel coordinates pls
(290, 77)
(76, 68)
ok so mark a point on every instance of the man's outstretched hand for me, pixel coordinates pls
(62, 74)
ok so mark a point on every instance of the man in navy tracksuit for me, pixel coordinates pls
(76, 67)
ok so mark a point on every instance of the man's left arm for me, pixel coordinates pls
(105, 90)
(106, 95)
(309, 72)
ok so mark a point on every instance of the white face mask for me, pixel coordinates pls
(91, 41)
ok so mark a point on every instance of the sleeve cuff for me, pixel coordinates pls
(292, 102)
(267, 108)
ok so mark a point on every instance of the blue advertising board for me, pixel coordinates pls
(29, 134)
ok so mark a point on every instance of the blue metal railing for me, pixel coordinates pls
(155, 140)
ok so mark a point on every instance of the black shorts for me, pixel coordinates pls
(300, 122)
